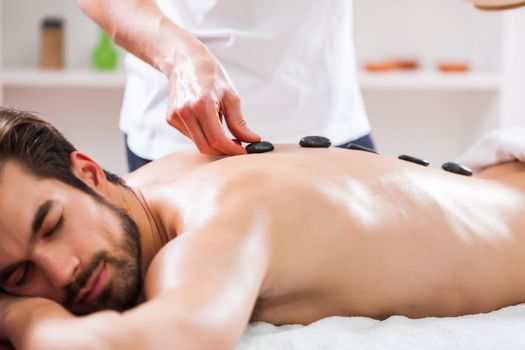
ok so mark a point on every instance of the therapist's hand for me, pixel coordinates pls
(201, 97)
(201, 94)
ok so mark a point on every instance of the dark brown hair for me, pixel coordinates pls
(40, 148)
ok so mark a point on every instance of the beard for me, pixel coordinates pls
(125, 288)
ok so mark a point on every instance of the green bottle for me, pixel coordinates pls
(105, 55)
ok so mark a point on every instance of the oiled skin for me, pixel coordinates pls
(349, 232)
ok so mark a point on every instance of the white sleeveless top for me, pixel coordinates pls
(292, 62)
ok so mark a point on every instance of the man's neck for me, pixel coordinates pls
(152, 235)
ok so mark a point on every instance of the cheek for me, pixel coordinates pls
(38, 286)
(93, 228)
(91, 233)
(110, 230)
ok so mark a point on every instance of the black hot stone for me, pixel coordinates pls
(414, 160)
(259, 147)
(315, 142)
(457, 168)
(360, 148)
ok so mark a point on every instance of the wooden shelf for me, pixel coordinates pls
(75, 78)
(429, 80)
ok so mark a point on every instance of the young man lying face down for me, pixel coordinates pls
(186, 251)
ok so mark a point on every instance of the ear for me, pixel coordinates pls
(87, 170)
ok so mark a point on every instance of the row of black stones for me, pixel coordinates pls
(323, 142)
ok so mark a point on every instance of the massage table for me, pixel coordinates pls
(501, 329)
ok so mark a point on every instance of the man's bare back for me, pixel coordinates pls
(343, 232)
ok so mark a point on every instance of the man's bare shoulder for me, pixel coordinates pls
(168, 168)
(178, 164)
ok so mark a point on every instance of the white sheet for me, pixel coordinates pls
(502, 329)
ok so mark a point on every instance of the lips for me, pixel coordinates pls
(93, 286)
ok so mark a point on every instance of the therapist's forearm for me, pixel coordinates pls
(142, 29)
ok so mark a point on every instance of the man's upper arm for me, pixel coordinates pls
(205, 283)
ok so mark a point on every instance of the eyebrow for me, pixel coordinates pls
(36, 225)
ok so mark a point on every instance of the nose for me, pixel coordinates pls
(58, 266)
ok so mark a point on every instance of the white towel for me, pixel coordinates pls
(499, 146)
(502, 329)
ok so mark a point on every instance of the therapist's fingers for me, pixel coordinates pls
(174, 119)
(196, 133)
(201, 122)
(210, 121)
(231, 107)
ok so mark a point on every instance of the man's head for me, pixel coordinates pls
(60, 238)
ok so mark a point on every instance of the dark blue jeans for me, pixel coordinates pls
(135, 162)
(365, 141)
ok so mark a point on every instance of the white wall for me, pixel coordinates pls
(21, 27)
(436, 125)
(513, 72)
(87, 116)
(433, 123)
(429, 30)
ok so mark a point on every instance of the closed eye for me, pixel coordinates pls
(24, 275)
(19, 275)
(55, 228)
(23, 272)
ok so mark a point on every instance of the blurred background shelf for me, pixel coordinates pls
(88, 78)
(72, 78)
(424, 113)
(428, 80)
